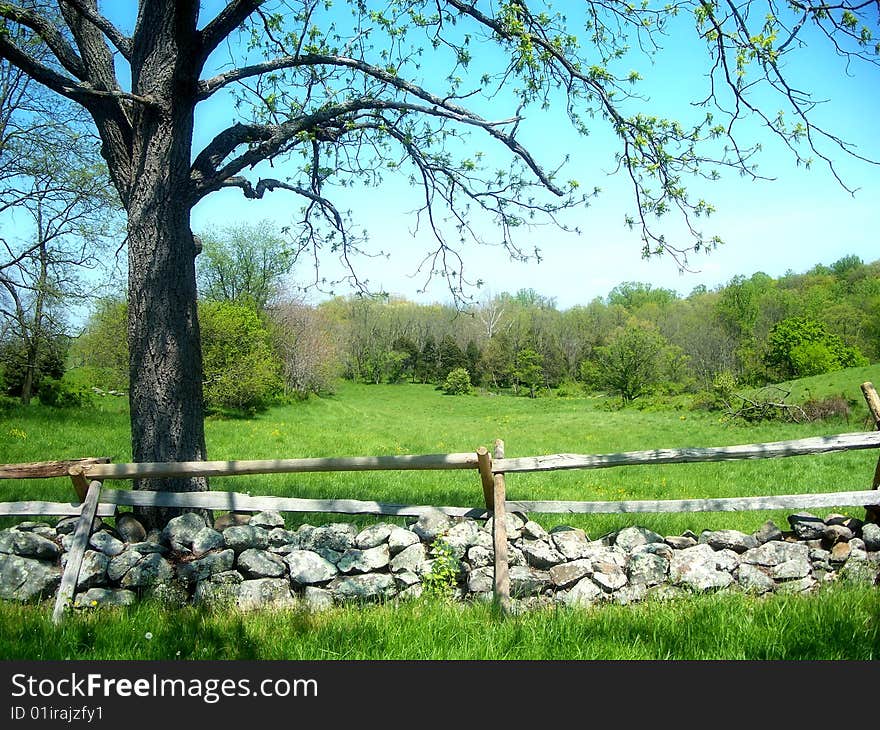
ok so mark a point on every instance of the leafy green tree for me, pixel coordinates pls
(799, 347)
(102, 348)
(528, 370)
(632, 361)
(458, 382)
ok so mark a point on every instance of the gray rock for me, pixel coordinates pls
(753, 579)
(93, 571)
(696, 568)
(400, 539)
(364, 561)
(207, 539)
(726, 560)
(767, 532)
(406, 579)
(660, 549)
(230, 519)
(799, 585)
(105, 543)
(268, 519)
(481, 580)
(206, 566)
(218, 591)
(540, 554)
(632, 593)
(255, 563)
(857, 544)
(608, 575)
(25, 579)
(308, 568)
(245, 537)
(871, 536)
(130, 528)
(533, 531)
(647, 569)
(461, 536)
(513, 522)
(366, 587)
(515, 555)
(104, 597)
(583, 593)
(412, 559)
(571, 544)
(374, 535)
(264, 593)
(67, 525)
(431, 524)
(679, 542)
(279, 537)
(796, 568)
(527, 581)
(774, 553)
(339, 536)
(807, 526)
(630, 537)
(734, 540)
(148, 547)
(28, 545)
(331, 556)
(180, 531)
(152, 570)
(479, 557)
(859, 571)
(122, 563)
(837, 533)
(317, 599)
(566, 574)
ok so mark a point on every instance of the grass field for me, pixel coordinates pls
(412, 419)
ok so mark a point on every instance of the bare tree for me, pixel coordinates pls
(343, 92)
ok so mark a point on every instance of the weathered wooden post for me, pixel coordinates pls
(77, 550)
(499, 534)
(872, 514)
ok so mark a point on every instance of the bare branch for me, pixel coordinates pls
(50, 35)
(120, 41)
(226, 21)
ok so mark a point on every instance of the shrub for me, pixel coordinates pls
(61, 394)
(458, 382)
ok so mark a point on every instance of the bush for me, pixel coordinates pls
(835, 406)
(61, 394)
(458, 382)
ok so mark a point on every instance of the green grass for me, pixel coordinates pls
(838, 623)
(412, 419)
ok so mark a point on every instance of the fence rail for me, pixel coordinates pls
(87, 477)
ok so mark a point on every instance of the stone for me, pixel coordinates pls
(267, 519)
(104, 597)
(431, 524)
(859, 571)
(796, 568)
(608, 576)
(93, 571)
(411, 559)
(67, 525)
(871, 536)
(180, 531)
(400, 539)
(481, 580)
(365, 587)
(565, 574)
(206, 566)
(527, 581)
(218, 591)
(25, 579)
(807, 526)
(767, 532)
(152, 570)
(462, 536)
(734, 540)
(130, 528)
(679, 542)
(696, 568)
(28, 545)
(571, 544)
(230, 519)
(631, 593)
(331, 556)
(374, 535)
(774, 553)
(317, 599)
(513, 522)
(148, 547)
(753, 579)
(105, 543)
(540, 554)
(726, 560)
(207, 539)
(244, 537)
(533, 531)
(631, 537)
(799, 585)
(647, 568)
(364, 561)
(338, 536)
(122, 563)
(515, 555)
(478, 557)
(583, 593)
(857, 544)
(255, 563)
(279, 537)
(837, 533)
(308, 568)
(263, 594)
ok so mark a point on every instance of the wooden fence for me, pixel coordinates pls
(88, 477)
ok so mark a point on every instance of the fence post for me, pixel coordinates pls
(499, 535)
(484, 464)
(77, 550)
(872, 514)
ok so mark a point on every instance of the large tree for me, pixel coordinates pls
(347, 91)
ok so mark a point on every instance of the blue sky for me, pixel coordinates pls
(800, 219)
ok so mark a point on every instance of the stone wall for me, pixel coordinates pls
(254, 562)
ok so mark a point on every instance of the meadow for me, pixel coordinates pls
(412, 419)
